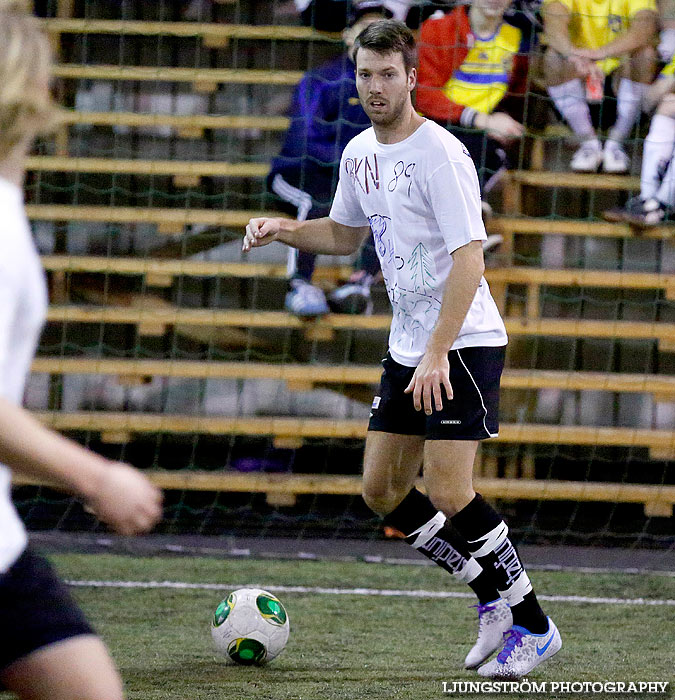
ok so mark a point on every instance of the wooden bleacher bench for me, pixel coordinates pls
(303, 377)
(203, 79)
(118, 427)
(214, 35)
(517, 180)
(167, 220)
(282, 489)
(161, 316)
(185, 173)
(192, 126)
(529, 276)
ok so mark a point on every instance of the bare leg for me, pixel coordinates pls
(79, 668)
(448, 473)
(391, 463)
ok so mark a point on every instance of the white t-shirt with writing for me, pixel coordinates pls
(421, 198)
(23, 307)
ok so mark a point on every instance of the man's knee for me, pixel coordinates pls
(667, 106)
(451, 498)
(382, 497)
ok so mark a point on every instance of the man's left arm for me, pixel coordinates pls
(639, 35)
(460, 289)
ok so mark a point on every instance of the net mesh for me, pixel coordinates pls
(178, 216)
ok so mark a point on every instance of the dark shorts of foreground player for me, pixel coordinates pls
(473, 413)
(36, 609)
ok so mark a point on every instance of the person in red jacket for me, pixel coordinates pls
(471, 62)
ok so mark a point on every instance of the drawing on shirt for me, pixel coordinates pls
(401, 170)
(362, 172)
(383, 242)
(420, 264)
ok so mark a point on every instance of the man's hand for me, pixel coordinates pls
(124, 498)
(260, 232)
(584, 65)
(431, 373)
(500, 126)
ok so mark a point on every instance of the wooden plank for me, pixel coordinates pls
(242, 76)
(233, 218)
(205, 268)
(263, 32)
(567, 328)
(179, 122)
(146, 167)
(536, 226)
(520, 433)
(179, 268)
(334, 484)
(345, 374)
(583, 181)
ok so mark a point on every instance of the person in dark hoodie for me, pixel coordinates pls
(325, 115)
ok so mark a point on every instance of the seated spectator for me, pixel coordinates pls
(657, 179)
(590, 40)
(470, 62)
(325, 115)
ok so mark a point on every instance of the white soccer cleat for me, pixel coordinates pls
(523, 651)
(588, 157)
(494, 619)
(614, 159)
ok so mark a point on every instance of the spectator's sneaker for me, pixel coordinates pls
(522, 651)
(304, 299)
(614, 159)
(651, 212)
(494, 619)
(494, 240)
(619, 215)
(353, 297)
(588, 157)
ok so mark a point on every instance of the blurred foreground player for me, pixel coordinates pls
(415, 187)
(48, 651)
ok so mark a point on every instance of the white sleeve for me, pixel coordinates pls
(454, 196)
(346, 209)
(7, 313)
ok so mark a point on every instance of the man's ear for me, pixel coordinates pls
(412, 79)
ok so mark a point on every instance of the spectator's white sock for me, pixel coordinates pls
(570, 100)
(666, 191)
(657, 154)
(628, 104)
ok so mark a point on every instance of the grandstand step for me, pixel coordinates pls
(184, 125)
(658, 497)
(204, 79)
(537, 226)
(570, 180)
(170, 221)
(661, 443)
(305, 376)
(616, 279)
(173, 168)
(167, 315)
(205, 30)
(187, 268)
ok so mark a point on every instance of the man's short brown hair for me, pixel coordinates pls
(388, 36)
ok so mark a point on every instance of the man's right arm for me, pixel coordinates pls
(556, 28)
(320, 236)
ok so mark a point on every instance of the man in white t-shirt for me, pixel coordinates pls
(415, 187)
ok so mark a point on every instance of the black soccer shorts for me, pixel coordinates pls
(36, 609)
(473, 413)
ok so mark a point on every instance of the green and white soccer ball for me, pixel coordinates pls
(250, 627)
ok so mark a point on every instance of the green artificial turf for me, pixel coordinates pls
(355, 646)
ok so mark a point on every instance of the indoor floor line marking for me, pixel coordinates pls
(384, 592)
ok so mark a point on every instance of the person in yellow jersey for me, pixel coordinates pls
(588, 40)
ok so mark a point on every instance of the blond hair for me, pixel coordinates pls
(26, 106)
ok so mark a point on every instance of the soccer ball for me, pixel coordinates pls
(250, 626)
